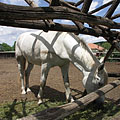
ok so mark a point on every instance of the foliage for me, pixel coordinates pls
(106, 45)
(115, 54)
(6, 47)
(13, 47)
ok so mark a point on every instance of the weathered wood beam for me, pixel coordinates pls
(109, 52)
(63, 3)
(115, 16)
(113, 74)
(85, 9)
(72, 3)
(114, 42)
(79, 3)
(112, 8)
(57, 27)
(62, 111)
(86, 6)
(54, 2)
(101, 7)
(31, 3)
(27, 13)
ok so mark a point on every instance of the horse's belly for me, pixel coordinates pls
(35, 58)
(45, 57)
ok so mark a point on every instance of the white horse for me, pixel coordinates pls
(58, 49)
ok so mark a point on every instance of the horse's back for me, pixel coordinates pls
(41, 46)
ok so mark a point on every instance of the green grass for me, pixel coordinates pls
(18, 109)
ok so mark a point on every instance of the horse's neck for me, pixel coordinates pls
(82, 56)
(86, 61)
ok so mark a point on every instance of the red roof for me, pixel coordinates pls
(95, 47)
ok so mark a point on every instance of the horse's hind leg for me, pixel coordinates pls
(27, 74)
(21, 66)
(64, 70)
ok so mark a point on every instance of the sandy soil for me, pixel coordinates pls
(54, 90)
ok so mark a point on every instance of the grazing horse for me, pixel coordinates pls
(52, 48)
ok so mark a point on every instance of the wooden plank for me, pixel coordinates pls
(26, 13)
(62, 111)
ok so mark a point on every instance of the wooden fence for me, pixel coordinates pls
(11, 54)
(114, 56)
(62, 111)
(7, 54)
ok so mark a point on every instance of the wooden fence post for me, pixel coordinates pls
(62, 111)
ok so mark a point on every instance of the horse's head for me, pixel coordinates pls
(95, 79)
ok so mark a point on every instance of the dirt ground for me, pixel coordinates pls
(54, 90)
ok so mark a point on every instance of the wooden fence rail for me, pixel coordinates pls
(62, 111)
(7, 54)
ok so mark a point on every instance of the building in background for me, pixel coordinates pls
(97, 50)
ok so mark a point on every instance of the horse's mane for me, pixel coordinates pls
(84, 45)
(81, 42)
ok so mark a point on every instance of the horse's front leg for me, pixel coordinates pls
(64, 70)
(44, 73)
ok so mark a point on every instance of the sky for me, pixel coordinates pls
(9, 34)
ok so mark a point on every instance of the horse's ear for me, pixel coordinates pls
(101, 67)
(101, 59)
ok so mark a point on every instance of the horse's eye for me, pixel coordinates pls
(101, 84)
(97, 78)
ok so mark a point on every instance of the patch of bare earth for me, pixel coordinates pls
(54, 90)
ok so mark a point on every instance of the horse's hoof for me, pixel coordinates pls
(28, 90)
(72, 100)
(23, 92)
(40, 102)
